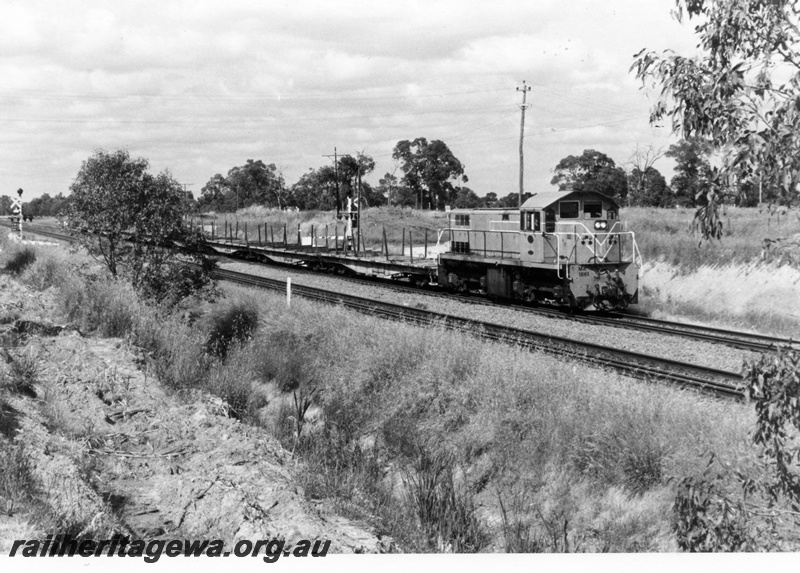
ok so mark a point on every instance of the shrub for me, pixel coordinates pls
(764, 514)
(20, 260)
(231, 325)
(169, 285)
(103, 305)
(177, 352)
(45, 272)
(284, 358)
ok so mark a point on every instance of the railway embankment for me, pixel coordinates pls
(93, 445)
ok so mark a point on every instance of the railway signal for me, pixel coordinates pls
(16, 209)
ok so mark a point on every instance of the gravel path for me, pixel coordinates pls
(701, 353)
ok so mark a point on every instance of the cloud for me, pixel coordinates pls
(198, 87)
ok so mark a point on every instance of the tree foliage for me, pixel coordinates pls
(396, 193)
(466, 198)
(316, 189)
(649, 189)
(591, 171)
(741, 94)
(254, 183)
(511, 201)
(693, 171)
(131, 220)
(351, 175)
(429, 170)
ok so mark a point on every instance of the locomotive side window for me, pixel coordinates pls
(549, 220)
(529, 221)
(462, 221)
(592, 210)
(568, 209)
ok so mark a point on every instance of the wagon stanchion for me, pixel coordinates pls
(385, 244)
(426, 243)
(246, 240)
(237, 229)
(299, 239)
(312, 237)
(212, 230)
(259, 234)
(403, 247)
(285, 238)
(410, 246)
(326, 238)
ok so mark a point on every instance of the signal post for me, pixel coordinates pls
(16, 209)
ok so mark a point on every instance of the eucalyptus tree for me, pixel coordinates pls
(740, 93)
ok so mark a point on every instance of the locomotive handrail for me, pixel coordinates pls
(635, 254)
(485, 251)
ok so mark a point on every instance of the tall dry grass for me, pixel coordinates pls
(664, 234)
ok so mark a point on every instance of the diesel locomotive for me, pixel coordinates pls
(563, 248)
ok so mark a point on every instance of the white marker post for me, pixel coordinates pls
(288, 291)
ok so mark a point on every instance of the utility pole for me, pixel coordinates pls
(336, 177)
(359, 203)
(524, 89)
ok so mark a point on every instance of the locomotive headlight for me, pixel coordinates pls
(601, 225)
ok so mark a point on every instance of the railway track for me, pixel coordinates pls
(733, 338)
(718, 382)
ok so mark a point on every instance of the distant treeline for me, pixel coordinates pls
(44, 206)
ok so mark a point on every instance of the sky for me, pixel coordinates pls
(198, 87)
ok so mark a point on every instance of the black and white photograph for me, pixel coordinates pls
(401, 285)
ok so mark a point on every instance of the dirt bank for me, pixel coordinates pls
(105, 449)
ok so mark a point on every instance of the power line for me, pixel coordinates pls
(383, 96)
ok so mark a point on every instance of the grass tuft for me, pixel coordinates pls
(16, 482)
(445, 510)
